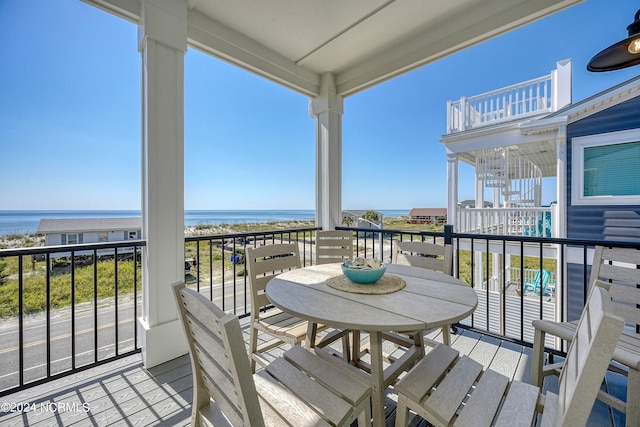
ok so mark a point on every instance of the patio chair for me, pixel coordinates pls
(426, 255)
(297, 388)
(333, 246)
(617, 269)
(437, 386)
(539, 283)
(263, 263)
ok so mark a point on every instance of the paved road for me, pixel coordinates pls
(34, 329)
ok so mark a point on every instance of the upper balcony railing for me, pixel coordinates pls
(513, 102)
(530, 221)
(541, 95)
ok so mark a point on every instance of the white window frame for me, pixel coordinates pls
(68, 238)
(132, 235)
(577, 167)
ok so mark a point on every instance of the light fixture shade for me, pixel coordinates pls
(618, 56)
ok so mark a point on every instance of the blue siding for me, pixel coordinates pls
(602, 222)
(575, 292)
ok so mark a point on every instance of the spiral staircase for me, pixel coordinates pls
(518, 179)
(519, 182)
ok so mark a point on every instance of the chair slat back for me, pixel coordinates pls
(620, 269)
(588, 358)
(425, 255)
(333, 246)
(265, 262)
(218, 359)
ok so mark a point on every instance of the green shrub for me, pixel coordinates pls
(35, 295)
(3, 275)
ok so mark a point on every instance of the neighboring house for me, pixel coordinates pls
(515, 137)
(602, 173)
(70, 231)
(437, 216)
(358, 219)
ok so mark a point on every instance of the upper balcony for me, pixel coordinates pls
(539, 96)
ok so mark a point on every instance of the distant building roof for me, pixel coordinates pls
(83, 225)
(428, 212)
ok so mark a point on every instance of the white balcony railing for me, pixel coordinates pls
(512, 102)
(531, 221)
(541, 95)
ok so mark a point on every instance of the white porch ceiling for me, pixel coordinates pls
(362, 42)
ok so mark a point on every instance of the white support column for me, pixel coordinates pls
(495, 197)
(162, 41)
(479, 193)
(560, 222)
(452, 190)
(559, 217)
(562, 84)
(479, 260)
(327, 108)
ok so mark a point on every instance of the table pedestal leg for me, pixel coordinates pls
(377, 379)
(356, 347)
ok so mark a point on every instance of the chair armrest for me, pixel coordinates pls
(563, 330)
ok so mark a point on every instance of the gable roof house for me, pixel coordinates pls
(70, 231)
(436, 216)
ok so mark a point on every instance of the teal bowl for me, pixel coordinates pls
(363, 276)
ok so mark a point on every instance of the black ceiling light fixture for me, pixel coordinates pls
(623, 54)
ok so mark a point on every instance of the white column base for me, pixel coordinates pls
(162, 342)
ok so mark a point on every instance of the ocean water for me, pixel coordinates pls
(26, 222)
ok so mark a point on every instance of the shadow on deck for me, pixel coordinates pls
(124, 393)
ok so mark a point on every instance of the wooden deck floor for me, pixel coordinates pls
(123, 393)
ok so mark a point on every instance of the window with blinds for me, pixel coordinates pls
(606, 168)
(612, 170)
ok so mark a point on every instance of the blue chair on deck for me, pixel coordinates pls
(540, 281)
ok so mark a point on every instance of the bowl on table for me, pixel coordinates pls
(363, 271)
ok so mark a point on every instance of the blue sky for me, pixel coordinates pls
(70, 114)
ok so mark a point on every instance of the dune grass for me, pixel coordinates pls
(35, 273)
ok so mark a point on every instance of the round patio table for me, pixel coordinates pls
(429, 300)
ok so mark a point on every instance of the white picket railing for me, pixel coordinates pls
(517, 101)
(529, 221)
(541, 95)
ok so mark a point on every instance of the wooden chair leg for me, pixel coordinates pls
(355, 354)
(446, 335)
(537, 362)
(401, 411)
(364, 419)
(418, 340)
(253, 347)
(346, 347)
(633, 391)
(312, 332)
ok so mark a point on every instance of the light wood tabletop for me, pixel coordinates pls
(429, 300)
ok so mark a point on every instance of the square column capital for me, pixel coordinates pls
(328, 100)
(164, 21)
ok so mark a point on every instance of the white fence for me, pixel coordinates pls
(517, 101)
(534, 222)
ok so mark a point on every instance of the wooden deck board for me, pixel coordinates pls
(123, 393)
